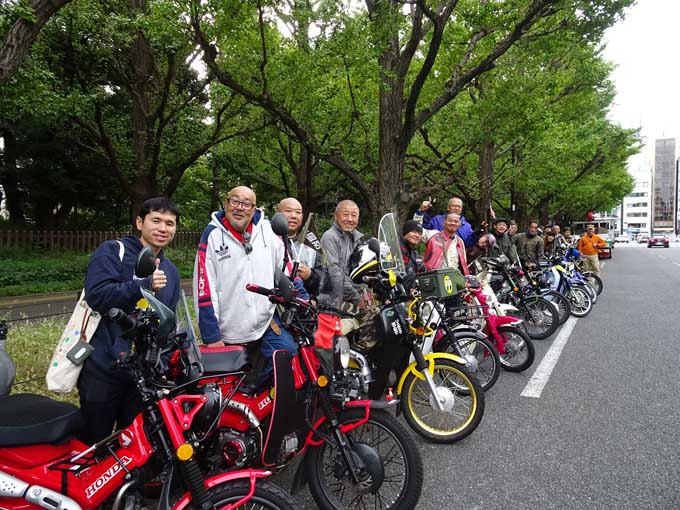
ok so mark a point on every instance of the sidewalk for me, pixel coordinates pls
(36, 306)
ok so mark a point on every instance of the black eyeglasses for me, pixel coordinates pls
(235, 203)
(246, 243)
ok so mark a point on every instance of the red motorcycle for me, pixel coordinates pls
(355, 454)
(515, 349)
(42, 466)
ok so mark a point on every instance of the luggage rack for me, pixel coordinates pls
(83, 460)
(467, 313)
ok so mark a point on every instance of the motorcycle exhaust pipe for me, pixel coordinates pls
(11, 487)
(245, 411)
(364, 369)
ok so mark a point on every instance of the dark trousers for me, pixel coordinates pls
(104, 404)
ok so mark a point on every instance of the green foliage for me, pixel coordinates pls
(37, 272)
(31, 346)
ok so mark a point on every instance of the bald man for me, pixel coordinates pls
(239, 247)
(310, 268)
(338, 243)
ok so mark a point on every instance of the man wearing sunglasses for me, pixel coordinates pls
(239, 247)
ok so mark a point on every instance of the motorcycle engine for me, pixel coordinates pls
(238, 449)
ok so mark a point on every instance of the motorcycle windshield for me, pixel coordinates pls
(184, 325)
(390, 248)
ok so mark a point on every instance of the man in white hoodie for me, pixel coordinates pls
(239, 247)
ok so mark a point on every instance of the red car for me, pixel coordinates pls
(658, 240)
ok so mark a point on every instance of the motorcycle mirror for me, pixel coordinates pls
(279, 224)
(374, 246)
(285, 286)
(146, 263)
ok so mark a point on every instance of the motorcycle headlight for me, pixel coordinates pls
(341, 352)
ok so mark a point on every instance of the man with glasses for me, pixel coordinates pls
(239, 247)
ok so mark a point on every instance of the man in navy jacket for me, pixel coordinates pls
(108, 396)
(432, 222)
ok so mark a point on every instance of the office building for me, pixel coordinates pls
(664, 187)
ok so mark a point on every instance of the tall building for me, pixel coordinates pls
(664, 186)
(636, 210)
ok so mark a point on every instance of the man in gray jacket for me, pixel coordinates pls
(338, 243)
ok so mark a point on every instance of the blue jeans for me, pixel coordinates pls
(271, 341)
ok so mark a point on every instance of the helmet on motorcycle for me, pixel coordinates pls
(362, 262)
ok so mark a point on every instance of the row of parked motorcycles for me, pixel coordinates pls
(209, 437)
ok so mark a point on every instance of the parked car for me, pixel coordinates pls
(657, 240)
(643, 239)
(623, 238)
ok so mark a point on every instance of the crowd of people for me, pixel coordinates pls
(239, 247)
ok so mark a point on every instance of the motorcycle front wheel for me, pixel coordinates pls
(481, 357)
(595, 282)
(541, 318)
(460, 394)
(580, 301)
(519, 349)
(267, 496)
(392, 479)
(561, 303)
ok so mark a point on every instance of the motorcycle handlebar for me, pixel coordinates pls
(259, 290)
(126, 323)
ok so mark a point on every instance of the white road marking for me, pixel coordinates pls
(662, 257)
(535, 386)
(676, 263)
(602, 265)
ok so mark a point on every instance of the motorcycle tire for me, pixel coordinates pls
(580, 301)
(480, 352)
(520, 350)
(589, 289)
(541, 318)
(267, 496)
(463, 403)
(595, 282)
(561, 303)
(331, 485)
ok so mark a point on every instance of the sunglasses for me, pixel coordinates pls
(246, 243)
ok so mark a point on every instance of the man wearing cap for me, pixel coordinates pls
(413, 260)
(589, 246)
(504, 244)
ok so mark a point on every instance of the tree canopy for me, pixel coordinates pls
(502, 103)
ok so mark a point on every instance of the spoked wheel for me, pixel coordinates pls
(561, 303)
(595, 282)
(580, 301)
(541, 318)
(461, 396)
(519, 350)
(481, 357)
(585, 285)
(392, 472)
(267, 496)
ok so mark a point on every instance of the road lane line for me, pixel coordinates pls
(676, 263)
(662, 257)
(602, 265)
(535, 386)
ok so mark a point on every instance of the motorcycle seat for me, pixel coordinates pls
(27, 419)
(218, 360)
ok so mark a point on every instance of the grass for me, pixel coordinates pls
(31, 346)
(39, 272)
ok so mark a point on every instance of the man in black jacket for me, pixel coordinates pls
(108, 396)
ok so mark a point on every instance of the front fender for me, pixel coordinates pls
(430, 358)
(230, 476)
(467, 332)
(507, 309)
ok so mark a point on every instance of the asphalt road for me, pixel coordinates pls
(605, 431)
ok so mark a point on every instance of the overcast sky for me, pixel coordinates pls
(646, 49)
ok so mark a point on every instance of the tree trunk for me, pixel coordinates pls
(392, 148)
(487, 157)
(14, 199)
(21, 35)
